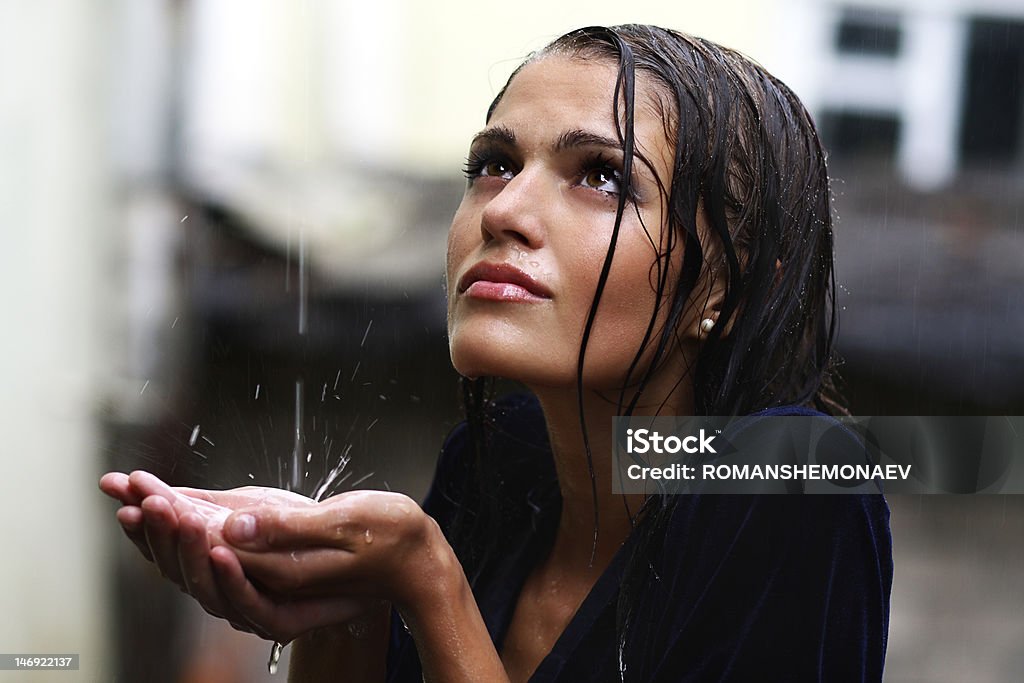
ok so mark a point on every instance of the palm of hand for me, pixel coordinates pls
(273, 562)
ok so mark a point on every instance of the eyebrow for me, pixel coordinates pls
(567, 140)
(498, 134)
(583, 138)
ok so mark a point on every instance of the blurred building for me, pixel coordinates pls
(921, 105)
(936, 85)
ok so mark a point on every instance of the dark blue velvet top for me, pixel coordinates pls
(747, 588)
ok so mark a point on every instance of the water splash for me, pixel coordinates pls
(298, 473)
(293, 475)
(366, 334)
(332, 477)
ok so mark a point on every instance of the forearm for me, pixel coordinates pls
(451, 638)
(355, 653)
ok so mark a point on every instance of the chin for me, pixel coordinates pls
(479, 359)
(514, 358)
(536, 367)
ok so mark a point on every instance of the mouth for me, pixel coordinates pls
(501, 282)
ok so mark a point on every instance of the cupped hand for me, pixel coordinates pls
(176, 529)
(372, 543)
(151, 511)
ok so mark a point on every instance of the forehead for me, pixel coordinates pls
(560, 92)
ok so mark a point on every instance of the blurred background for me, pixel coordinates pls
(224, 229)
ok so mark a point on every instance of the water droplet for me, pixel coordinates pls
(368, 536)
(275, 657)
(195, 436)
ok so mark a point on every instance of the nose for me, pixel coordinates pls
(515, 213)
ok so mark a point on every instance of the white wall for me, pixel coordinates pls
(395, 82)
(53, 176)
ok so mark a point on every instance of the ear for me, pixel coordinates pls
(709, 297)
(708, 294)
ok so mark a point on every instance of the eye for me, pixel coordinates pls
(603, 179)
(485, 165)
(496, 168)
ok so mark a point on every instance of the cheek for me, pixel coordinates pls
(625, 311)
(459, 246)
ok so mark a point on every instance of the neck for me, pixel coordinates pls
(574, 541)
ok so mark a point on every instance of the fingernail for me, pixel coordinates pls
(243, 528)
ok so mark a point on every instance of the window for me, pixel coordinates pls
(869, 32)
(992, 122)
(860, 135)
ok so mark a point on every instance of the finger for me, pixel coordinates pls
(130, 518)
(344, 521)
(161, 527)
(211, 512)
(194, 564)
(283, 621)
(197, 574)
(145, 484)
(213, 515)
(276, 527)
(116, 485)
(247, 496)
(303, 572)
(197, 494)
(239, 592)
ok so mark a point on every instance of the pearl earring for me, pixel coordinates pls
(706, 325)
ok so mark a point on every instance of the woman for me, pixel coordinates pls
(646, 230)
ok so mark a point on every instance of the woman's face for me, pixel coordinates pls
(528, 241)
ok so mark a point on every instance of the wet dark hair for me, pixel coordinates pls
(748, 160)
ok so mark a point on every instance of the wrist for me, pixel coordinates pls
(435, 581)
(441, 613)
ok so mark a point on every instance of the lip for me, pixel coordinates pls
(502, 282)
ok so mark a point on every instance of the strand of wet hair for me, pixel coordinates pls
(624, 89)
